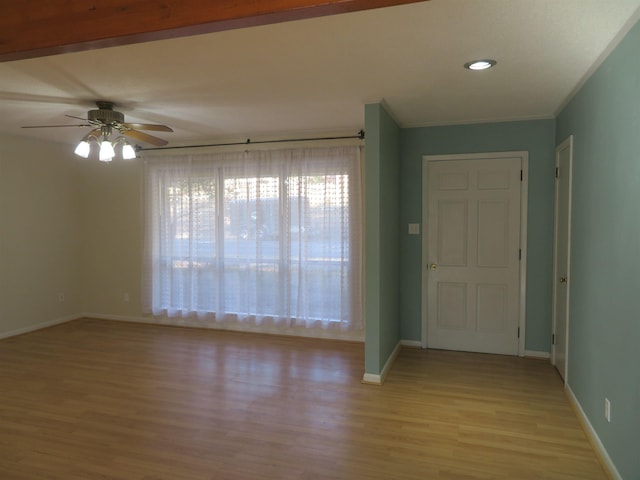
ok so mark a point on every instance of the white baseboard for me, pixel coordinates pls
(372, 378)
(411, 343)
(39, 326)
(130, 318)
(379, 379)
(233, 327)
(534, 354)
(601, 452)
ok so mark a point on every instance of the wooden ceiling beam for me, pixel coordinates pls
(33, 28)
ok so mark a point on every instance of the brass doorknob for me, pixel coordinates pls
(434, 266)
(563, 279)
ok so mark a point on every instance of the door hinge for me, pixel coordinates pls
(521, 174)
(518, 332)
(557, 172)
(553, 339)
(519, 254)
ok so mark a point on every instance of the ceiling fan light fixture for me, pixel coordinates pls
(478, 65)
(83, 149)
(128, 152)
(106, 151)
(104, 122)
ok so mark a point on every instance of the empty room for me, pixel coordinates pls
(320, 240)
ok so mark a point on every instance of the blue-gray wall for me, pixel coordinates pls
(382, 242)
(604, 322)
(535, 137)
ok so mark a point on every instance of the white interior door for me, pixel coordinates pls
(473, 253)
(562, 238)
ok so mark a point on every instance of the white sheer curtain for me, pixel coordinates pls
(260, 238)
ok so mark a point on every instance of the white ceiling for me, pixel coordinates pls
(314, 76)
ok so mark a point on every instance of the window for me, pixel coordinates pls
(270, 237)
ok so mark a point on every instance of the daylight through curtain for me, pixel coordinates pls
(260, 238)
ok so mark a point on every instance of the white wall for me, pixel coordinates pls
(111, 230)
(39, 241)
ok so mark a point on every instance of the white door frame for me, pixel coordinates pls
(567, 142)
(524, 189)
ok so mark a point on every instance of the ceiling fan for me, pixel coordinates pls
(104, 121)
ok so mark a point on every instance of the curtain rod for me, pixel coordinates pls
(360, 135)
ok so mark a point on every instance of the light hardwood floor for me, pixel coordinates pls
(94, 399)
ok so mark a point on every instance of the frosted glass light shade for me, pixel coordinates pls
(106, 151)
(128, 152)
(83, 149)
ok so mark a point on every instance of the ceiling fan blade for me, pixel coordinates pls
(145, 137)
(148, 126)
(56, 126)
(77, 118)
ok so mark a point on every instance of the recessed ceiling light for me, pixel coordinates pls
(480, 64)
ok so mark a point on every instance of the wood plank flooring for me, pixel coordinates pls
(95, 399)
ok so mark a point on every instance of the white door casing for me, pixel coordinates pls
(561, 257)
(474, 252)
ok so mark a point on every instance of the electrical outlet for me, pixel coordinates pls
(607, 409)
(125, 297)
(61, 297)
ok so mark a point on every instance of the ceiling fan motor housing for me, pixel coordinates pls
(109, 117)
